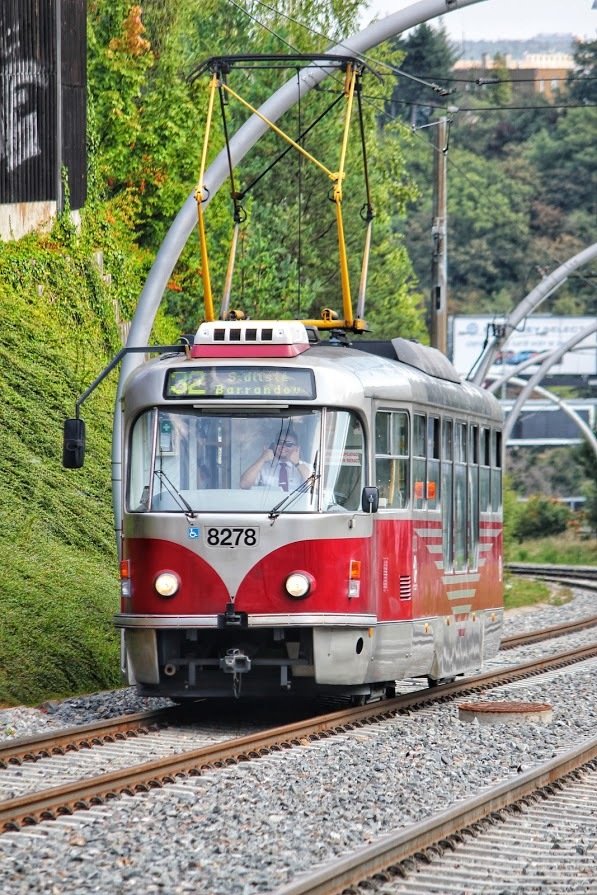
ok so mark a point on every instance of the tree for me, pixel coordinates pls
(428, 57)
(149, 136)
(588, 462)
(582, 81)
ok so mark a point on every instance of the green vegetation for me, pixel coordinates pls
(566, 549)
(58, 588)
(520, 592)
(521, 174)
(540, 517)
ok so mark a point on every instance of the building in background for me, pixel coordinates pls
(42, 111)
(543, 73)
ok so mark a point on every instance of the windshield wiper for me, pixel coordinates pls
(292, 496)
(174, 493)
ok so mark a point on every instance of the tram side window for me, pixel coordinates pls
(446, 504)
(344, 461)
(433, 456)
(473, 496)
(419, 459)
(484, 471)
(139, 464)
(460, 497)
(496, 472)
(391, 458)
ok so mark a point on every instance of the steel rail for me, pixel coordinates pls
(83, 736)
(33, 807)
(548, 633)
(537, 570)
(398, 846)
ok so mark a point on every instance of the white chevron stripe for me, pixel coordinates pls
(461, 594)
(464, 578)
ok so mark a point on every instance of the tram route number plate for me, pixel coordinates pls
(233, 536)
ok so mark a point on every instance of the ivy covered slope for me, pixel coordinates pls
(58, 588)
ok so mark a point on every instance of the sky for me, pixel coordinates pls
(517, 19)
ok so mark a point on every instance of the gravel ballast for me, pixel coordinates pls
(251, 828)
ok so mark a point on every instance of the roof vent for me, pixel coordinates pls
(255, 332)
(257, 338)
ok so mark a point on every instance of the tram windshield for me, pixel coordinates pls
(183, 460)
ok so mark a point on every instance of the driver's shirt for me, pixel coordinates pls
(281, 475)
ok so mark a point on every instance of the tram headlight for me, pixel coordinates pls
(299, 585)
(166, 584)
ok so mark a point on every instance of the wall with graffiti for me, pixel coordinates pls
(42, 106)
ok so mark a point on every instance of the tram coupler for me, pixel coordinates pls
(231, 618)
(235, 662)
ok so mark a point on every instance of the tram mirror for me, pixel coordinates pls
(370, 499)
(73, 444)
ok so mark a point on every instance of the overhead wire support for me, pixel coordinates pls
(239, 214)
(366, 212)
(220, 67)
(200, 198)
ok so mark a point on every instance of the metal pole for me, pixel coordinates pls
(439, 234)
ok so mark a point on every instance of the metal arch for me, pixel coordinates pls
(242, 141)
(528, 304)
(561, 403)
(553, 358)
(530, 362)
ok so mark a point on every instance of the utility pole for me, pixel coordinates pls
(439, 234)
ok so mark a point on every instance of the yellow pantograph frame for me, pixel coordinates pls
(328, 321)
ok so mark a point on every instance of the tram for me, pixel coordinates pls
(304, 510)
(381, 561)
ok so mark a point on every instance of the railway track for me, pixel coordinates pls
(573, 575)
(126, 727)
(385, 861)
(75, 795)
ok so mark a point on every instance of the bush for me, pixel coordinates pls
(541, 517)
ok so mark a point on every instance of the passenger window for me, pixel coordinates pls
(391, 460)
(433, 454)
(496, 472)
(419, 460)
(484, 472)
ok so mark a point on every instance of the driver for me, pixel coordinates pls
(279, 465)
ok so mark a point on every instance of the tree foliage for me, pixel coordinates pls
(540, 517)
(521, 195)
(150, 123)
(423, 74)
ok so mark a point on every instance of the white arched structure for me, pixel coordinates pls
(561, 404)
(544, 368)
(545, 288)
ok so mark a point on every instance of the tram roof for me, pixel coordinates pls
(393, 370)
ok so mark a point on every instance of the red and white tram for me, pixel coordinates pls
(374, 555)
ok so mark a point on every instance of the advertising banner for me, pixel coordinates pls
(534, 336)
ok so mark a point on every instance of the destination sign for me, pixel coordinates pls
(240, 382)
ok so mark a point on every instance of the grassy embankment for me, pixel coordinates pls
(58, 582)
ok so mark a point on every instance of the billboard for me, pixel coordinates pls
(534, 336)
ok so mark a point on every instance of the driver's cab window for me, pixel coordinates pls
(187, 460)
(344, 456)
